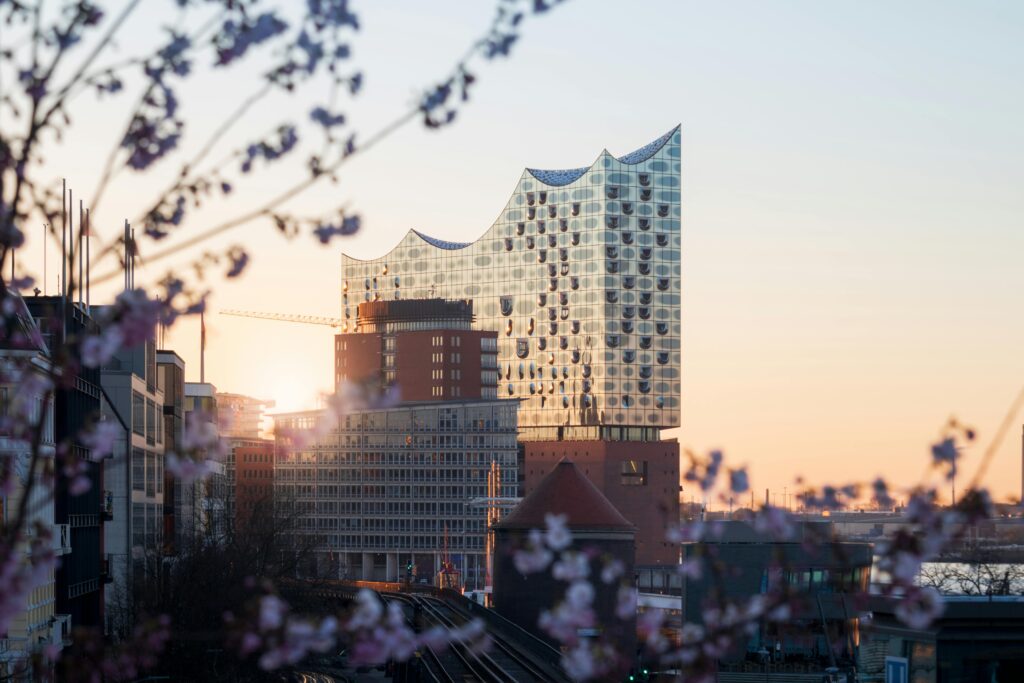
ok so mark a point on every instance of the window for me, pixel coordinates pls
(138, 469)
(138, 413)
(633, 473)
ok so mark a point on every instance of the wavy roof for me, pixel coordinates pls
(441, 244)
(565, 176)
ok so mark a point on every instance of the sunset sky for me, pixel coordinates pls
(853, 194)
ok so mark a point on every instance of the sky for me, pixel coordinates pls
(851, 195)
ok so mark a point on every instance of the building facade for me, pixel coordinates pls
(40, 624)
(425, 347)
(82, 573)
(209, 495)
(249, 471)
(396, 486)
(179, 500)
(580, 278)
(241, 417)
(133, 537)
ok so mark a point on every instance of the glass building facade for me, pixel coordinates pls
(580, 277)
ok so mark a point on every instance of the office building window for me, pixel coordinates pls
(634, 473)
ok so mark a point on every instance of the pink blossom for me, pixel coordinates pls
(101, 438)
(612, 570)
(186, 469)
(558, 537)
(571, 567)
(272, 612)
(692, 568)
(97, 349)
(920, 607)
(535, 557)
(625, 605)
(648, 628)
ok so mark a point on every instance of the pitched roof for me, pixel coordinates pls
(566, 491)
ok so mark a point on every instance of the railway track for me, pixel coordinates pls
(460, 662)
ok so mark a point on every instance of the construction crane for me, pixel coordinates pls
(289, 318)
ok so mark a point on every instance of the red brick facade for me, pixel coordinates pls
(640, 478)
(254, 478)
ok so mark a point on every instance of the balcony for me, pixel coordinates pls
(60, 629)
(107, 506)
(61, 539)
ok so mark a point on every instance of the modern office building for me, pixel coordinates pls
(39, 625)
(133, 478)
(580, 277)
(179, 498)
(241, 417)
(210, 495)
(390, 487)
(81, 574)
(426, 347)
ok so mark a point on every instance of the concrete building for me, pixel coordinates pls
(580, 277)
(425, 347)
(210, 495)
(134, 478)
(392, 486)
(241, 417)
(40, 625)
(82, 573)
(179, 498)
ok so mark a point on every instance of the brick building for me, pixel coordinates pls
(426, 346)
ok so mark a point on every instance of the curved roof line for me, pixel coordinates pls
(559, 177)
(441, 244)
